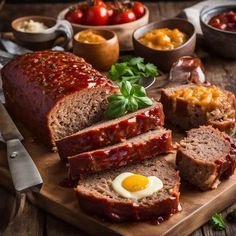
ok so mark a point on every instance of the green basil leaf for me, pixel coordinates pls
(115, 97)
(143, 101)
(139, 91)
(141, 66)
(132, 105)
(125, 88)
(151, 70)
(135, 60)
(132, 79)
(116, 109)
(217, 222)
(117, 70)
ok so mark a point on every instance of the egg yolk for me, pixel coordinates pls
(134, 183)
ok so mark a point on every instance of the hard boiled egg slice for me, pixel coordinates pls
(135, 186)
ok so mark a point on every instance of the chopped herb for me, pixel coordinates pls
(217, 222)
(232, 216)
(131, 98)
(61, 89)
(132, 69)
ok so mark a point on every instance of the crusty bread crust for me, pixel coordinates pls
(159, 208)
(180, 114)
(112, 132)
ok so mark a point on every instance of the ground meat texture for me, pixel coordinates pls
(55, 93)
(205, 156)
(180, 113)
(111, 132)
(132, 150)
(97, 197)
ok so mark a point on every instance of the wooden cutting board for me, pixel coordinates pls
(60, 201)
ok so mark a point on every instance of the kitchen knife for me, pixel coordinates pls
(25, 175)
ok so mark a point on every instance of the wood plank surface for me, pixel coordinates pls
(221, 72)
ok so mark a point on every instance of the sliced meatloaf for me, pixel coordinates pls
(111, 132)
(214, 107)
(134, 149)
(205, 156)
(54, 93)
(97, 197)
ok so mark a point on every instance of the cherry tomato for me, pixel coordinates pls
(95, 15)
(100, 3)
(138, 9)
(74, 16)
(122, 17)
(110, 9)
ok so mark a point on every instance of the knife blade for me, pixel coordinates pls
(25, 175)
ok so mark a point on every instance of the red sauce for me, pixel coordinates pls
(225, 21)
(60, 72)
(68, 183)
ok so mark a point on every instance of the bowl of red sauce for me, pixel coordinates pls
(219, 29)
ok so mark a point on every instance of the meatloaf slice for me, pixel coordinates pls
(134, 149)
(205, 156)
(179, 111)
(54, 93)
(97, 197)
(111, 132)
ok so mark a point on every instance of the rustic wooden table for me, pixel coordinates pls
(34, 221)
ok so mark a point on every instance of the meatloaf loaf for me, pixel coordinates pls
(97, 197)
(111, 132)
(205, 156)
(190, 106)
(134, 149)
(55, 93)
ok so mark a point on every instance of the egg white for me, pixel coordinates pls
(154, 185)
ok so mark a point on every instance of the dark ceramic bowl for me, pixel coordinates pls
(221, 42)
(164, 59)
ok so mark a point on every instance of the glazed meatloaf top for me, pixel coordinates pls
(97, 196)
(113, 131)
(132, 150)
(55, 93)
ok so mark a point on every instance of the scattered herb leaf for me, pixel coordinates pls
(132, 69)
(131, 98)
(217, 222)
(232, 216)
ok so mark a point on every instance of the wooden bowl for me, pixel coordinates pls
(164, 59)
(123, 31)
(221, 42)
(44, 39)
(101, 55)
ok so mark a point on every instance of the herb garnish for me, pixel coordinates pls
(132, 69)
(131, 98)
(232, 216)
(217, 222)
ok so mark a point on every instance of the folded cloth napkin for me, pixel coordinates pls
(193, 12)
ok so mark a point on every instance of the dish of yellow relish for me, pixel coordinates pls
(164, 39)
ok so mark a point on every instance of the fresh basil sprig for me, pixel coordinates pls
(218, 222)
(131, 98)
(132, 69)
